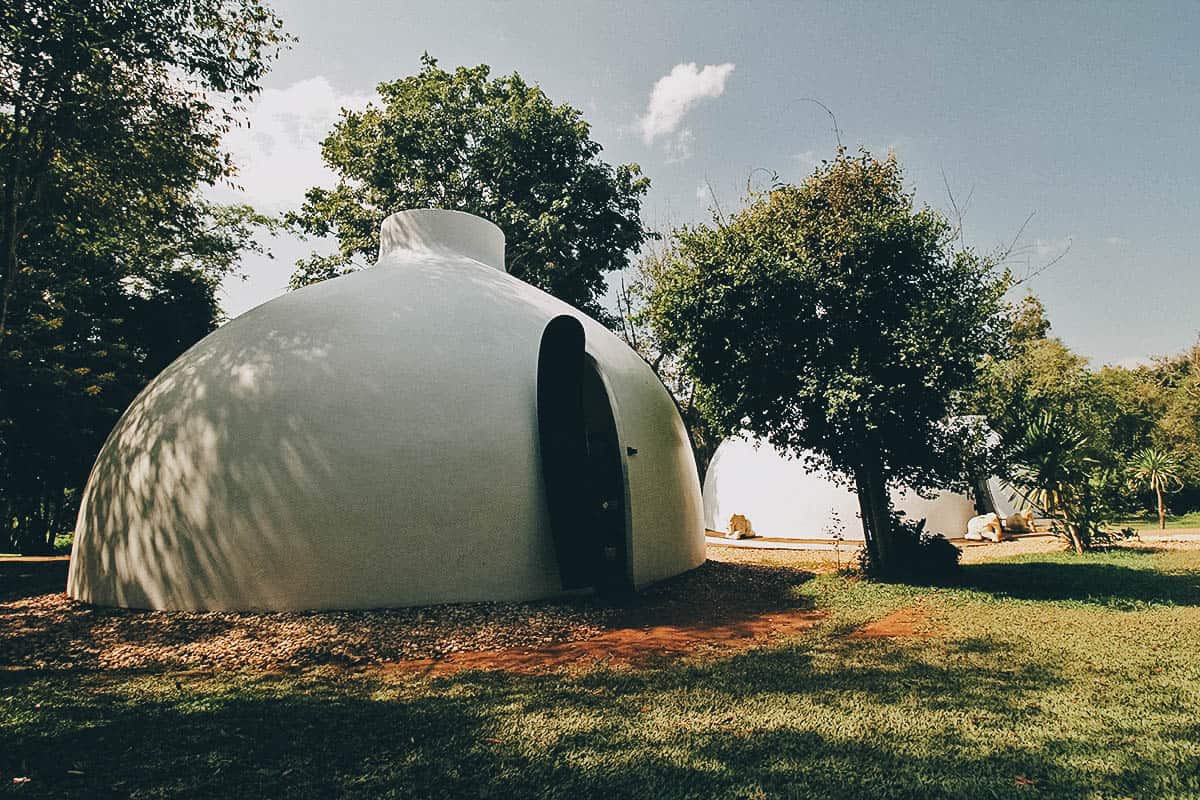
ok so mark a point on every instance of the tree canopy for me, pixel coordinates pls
(498, 148)
(836, 318)
(111, 117)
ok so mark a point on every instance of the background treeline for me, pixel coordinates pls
(1120, 411)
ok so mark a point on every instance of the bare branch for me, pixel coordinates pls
(1006, 252)
(750, 178)
(958, 232)
(716, 203)
(837, 132)
(1030, 274)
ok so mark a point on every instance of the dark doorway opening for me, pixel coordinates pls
(581, 463)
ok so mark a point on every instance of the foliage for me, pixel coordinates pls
(835, 318)
(126, 100)
(1121, 411)
(1158, 470)
(1177, 428)
(498, 148)
(1122, 414)
(1054, 470)
(918, 556)
(110, 121)
(654, 261)
(1034, 373)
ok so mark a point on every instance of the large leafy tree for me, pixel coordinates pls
(130, 96)
(111, 116)
(499, 148)
(836, 317)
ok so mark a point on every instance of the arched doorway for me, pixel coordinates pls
(581, 463)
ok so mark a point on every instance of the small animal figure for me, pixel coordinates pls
(739, 528)
(985, 526)
(1021, 522)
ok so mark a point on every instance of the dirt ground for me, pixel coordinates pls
(906, 623)
(722, 604)
(740, 598)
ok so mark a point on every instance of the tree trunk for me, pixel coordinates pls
(873, 505)
(864, 510)
(1076, 539)
(8, 246)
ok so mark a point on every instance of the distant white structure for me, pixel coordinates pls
(785, 499)
(428, 430)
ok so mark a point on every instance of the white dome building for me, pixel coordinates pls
(429, 430)
(786, 500)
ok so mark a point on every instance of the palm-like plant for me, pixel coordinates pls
(1158, 470)
(1051, 468)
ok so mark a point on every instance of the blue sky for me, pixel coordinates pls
(1084, 115)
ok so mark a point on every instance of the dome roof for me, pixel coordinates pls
(374, 440)
(783, 498)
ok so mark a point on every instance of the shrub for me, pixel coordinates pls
(918, 556)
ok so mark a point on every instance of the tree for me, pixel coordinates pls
(835, 317)
(1053, 470)
(93, 331)
(631, 306)
(1030, 323)
(1035, 372)
(1157, 470)
(1177, 428)
(498, 148)
(126, 91)
(110, 123)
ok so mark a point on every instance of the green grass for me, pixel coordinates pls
(1150, 521)
(1046, 676)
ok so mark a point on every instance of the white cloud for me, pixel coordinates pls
(676, 92)
(702, 192)
(680, 147)
(278, 153)
(1051, 248)
(1116, 241)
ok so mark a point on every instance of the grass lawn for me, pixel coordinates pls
(1050, 676)
(1189, 520)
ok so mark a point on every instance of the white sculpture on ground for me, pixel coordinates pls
(739, 528)
(1021, 522)
(428, 430)
(985, 526)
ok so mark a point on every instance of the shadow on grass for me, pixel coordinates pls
(1109, 584)
(778, 722)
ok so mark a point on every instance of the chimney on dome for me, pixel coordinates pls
(438, 232)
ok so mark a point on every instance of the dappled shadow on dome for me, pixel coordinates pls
(180, 505)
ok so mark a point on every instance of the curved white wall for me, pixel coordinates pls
(785, 499)
(369, 441)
